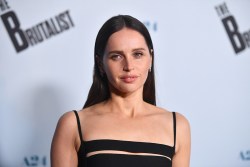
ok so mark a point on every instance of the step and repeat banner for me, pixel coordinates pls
(202, 61)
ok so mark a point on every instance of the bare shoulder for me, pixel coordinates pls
(161, 111)
(67, 120)
(85, 113)
(66, 126)
(182, 123)
(92, 111)
(181, 120)
(183, 134)
(64, 145)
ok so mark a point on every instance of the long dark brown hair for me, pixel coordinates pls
(99, 90)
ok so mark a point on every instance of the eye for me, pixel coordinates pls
(116, 57)
(138, 55)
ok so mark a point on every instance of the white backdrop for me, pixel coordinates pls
(198, 73)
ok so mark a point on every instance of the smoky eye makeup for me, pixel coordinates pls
(115, 57)
(138, 54)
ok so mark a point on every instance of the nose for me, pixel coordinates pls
(128, 65)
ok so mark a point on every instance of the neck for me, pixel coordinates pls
(129, 105)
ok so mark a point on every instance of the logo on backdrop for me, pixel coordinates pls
(23, 38)
(151, 25)
(245, 155)
(35, 161)
(239, 40)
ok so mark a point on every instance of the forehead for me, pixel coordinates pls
(126, 39)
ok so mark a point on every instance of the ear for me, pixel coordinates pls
(151, 57)
(151, 52)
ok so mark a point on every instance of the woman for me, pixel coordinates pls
(120, 124)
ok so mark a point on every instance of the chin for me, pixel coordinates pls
(127, 89)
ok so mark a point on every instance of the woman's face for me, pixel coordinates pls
(126, 61)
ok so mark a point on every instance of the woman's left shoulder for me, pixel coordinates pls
(162, 111)
(182, 122)
(180, 118)
(183, 133)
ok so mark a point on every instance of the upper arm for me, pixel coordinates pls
(183, 142)
(63, 147)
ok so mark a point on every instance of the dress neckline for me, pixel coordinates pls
(124, 141)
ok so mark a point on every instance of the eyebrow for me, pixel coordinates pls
(138, 49)
(121, 52)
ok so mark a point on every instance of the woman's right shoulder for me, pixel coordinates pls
(67, 122)
(66, 140)
(69, 118)
(67, 126)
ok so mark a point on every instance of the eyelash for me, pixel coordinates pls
(138, 54)
(115, 57)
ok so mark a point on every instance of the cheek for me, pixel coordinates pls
(144, 67)
(145, 70)
(110, 71)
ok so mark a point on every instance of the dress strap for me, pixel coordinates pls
(79, 125)
(174, 125)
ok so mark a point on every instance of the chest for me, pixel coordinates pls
(151, 129)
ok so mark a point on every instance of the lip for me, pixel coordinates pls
(128, 78)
